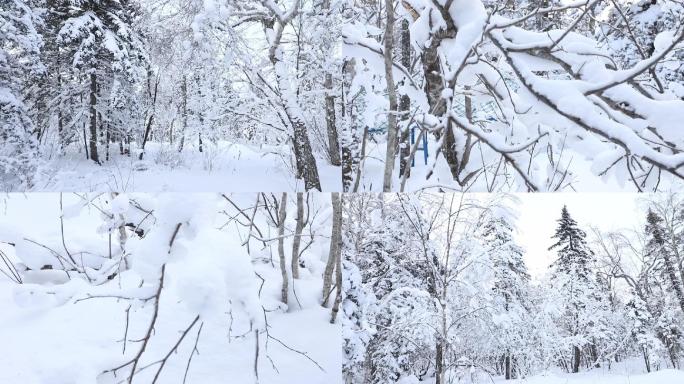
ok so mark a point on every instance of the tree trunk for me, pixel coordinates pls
(508, 367)
(153, 95)
(184, 113)
(296, 241)
(335, 246)
(646, 360)
(362, 156)
(333, 141)
(60, 116)
(349, 128)
(439, 363)
(405, 103)
(576, 359)
(676, 285)
(391, 151)
(93, 118)
(306, 163)
(434, 86)
(304, 158)
(678, 263)
(282, 215)
(108, 137)
(338, 282)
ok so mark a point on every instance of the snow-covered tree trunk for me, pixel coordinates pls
(297, 239)
(392, 134)
(333, 141)
(282, 215)
(306, 162)
(405, 104)
(184, 112)
(335, 247)
(92, 141)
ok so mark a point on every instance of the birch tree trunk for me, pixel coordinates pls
(282, 215)
(304, 158)
(335, 246)
(338, 282)
(333, 140)
(296, 241)
(391, 151)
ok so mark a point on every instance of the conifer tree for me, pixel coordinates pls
(19, 48)
(572, 275)
(97, 39)
(657, 250)
(511, 279)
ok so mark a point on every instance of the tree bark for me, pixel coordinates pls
(405, 103)
(333, 141)
(508, 366)
(576, 356)
(670, 270)
(304, 158)
(93, 118)
(349, 128)
(391, 151)
(282, 215)
(335, 246)
(296, 241)
(184, 112)
(150, 121)
(338, 282)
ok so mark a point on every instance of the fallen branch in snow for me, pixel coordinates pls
(163, 361)
(150, 329)
(11, 272)
(192, 353)
(306, 355)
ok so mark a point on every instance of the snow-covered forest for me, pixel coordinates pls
(161, 94)
(437, 289)
(332, 95)
(341, 191)
(170, 288)
(516, 95)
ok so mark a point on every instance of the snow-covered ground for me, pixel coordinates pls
(629, 372)
(225, 167)
(667, 376)
(53, 331)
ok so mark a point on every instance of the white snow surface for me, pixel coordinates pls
(54, 332)
(227, 166)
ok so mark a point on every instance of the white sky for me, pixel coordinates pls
(538, 212)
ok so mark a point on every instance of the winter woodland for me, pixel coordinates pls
(131, 95)
(340, 191)
(437, 290)
(332, 95)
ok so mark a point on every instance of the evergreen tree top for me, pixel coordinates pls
(571, 245)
